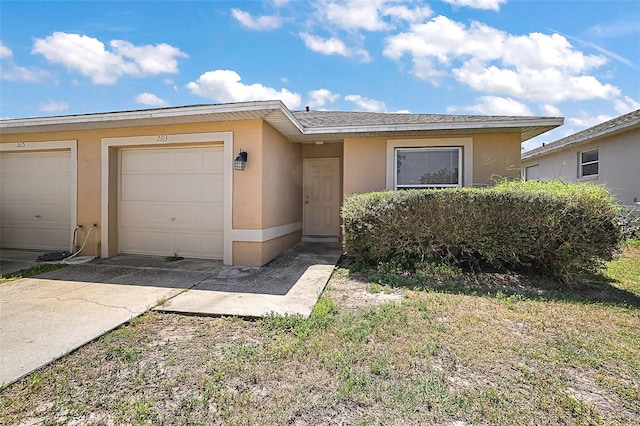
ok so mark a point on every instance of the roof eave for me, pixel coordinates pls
(540, 125)
(589, 137)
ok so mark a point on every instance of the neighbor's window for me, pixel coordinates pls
(532, 172)
(428, 167)
(588, 163)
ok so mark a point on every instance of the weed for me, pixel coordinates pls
(32, 271)
(127, 354)
(173, 258)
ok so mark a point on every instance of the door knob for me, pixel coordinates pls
(172, 218)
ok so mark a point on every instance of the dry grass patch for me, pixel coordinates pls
(453, 347)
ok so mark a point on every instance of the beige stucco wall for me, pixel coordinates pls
(281, 179)
(494, 156)
(257, 254)
(364, 165)
(618, 169)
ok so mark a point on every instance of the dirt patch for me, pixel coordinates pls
(351, 293)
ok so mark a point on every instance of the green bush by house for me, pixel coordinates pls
(549, 228)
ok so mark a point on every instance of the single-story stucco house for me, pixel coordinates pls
(607, 154)
(164, 181)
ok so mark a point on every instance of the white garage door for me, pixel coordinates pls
(35, 195)
(171, 201)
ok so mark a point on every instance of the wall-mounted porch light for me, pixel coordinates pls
(240, 161)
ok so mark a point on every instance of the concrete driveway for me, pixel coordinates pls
(48, 316)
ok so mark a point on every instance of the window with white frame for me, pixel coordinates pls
(428, 167)
(588, 163)
(532, 172)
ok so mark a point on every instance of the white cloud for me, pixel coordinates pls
(333, 46)
(584, 119)
(407, 14)
(88, 56)
(151, 60)
(320, 97)
(536, 67)
(354, 15)
(370, 15)
(261, 23)
(5, 52)
(366, 104)
(477, 4)
(551, 110)
(150, 99)
(53, 106)
(12, 72)
(280, 3)
(625, 104)
(226, 86)
(495, 105)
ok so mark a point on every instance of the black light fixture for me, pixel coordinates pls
(240, 161)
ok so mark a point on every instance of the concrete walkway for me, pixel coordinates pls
(45, 317)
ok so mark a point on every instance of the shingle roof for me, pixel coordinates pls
(361, 119)
(608, 128)
(295, 125)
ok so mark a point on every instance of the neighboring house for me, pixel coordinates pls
(607, 154)
(162, 181)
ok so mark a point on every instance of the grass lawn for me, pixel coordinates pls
(442, 346)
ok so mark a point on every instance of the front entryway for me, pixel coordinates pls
(321, 196)
(171, 201)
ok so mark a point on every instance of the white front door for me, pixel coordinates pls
(171, 201)
(35, 200)
(321, 196)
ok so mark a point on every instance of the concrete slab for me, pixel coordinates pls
(45, 317)
(298, 301)
(15, 260)
(291, 284)
(42, 319)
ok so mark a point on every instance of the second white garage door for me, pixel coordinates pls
(171, 202)
(35, 200)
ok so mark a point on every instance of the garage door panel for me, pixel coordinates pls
(134, 187)
(35, 200)
(161, 161)
(189, 160)
(185, 184)
(213, 244)
(160, 214)
(213, 216)
(52, 213)
(189, 188)
(160, 187)
(134, 214)
(134, 161)
(161, 242)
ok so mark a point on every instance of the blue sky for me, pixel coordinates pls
(576, 59)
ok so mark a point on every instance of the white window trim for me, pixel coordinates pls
(70, 145)
(581, 165)
(439, 148)
(467, 155)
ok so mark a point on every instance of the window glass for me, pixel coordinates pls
(589, 163)
(427, 167)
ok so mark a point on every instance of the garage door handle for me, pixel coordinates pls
(38, 216)
(172, 218)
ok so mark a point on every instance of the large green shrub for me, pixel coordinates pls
(551, 228)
